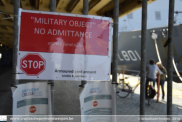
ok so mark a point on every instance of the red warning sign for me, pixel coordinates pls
(32, 64)
(95, 103)
(32, 109)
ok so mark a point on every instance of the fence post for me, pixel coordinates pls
(15, 40)
(85, 12)
(52, 9)
(170, 56)
(143, 57)
(115, 54)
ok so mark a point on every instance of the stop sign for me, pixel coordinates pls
(32, 109)
(32, 64)
(95, 103)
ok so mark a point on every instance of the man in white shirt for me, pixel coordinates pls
(152, 69)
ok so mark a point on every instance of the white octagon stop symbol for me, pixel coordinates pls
(32, 64)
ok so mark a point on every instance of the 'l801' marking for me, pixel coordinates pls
(129, 55)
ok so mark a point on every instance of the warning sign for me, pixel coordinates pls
(54, 46)
(32, 64)
(95, 103)
(32, 109)
(96, 99)
(32, 99)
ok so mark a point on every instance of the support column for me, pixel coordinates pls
(85, 12)
(115, 52)
(52, 9)
(143, 57)
(170, 56)
(15, 39)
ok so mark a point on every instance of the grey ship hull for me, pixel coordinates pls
(129, 47)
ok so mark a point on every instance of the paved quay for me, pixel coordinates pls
(66, 99)
(131, 104)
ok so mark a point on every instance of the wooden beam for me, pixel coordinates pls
(5, 31)
(126, 7)
(34, 4)
(72, 5)
(10, 38)
(108, 7)
(1, 3)
(6, 25)
(5, 36)
(2, 32)
(129, 6)
(57, 2)
(6, 22)
(93, 3)
(61, 5)
(11, 1)
(7, 40)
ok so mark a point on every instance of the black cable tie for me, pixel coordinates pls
(114, 83)
(52, 84)
(18, 73)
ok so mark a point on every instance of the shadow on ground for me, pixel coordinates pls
(66, 100)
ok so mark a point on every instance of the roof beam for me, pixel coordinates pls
(9, 33)
(6, 22)
(5, 36)
(131, 5)
(126, 7)
(108, 7)
(5, 31)
(72, 5)
(35, 4)
(93, 3)
(57, 2)
(6, 25)
(7, 40)
(1, 3)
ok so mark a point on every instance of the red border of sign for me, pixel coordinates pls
(32, 54)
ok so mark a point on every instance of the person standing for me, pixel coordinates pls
(162, 77)
(152, 69)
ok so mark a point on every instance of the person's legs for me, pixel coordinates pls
(146, 85)
(154, 80)
(162, 87)
(157, 82)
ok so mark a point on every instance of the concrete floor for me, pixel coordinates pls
(66, 99)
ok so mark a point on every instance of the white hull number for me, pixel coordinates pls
(129, 55)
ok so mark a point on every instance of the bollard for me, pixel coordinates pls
(123, 74)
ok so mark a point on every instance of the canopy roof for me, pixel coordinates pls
(96, 7)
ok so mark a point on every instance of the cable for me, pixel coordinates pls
(176, 70)
(158, 55)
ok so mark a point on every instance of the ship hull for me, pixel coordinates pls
(129, 47)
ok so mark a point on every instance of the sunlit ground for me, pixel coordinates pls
(176, 92)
